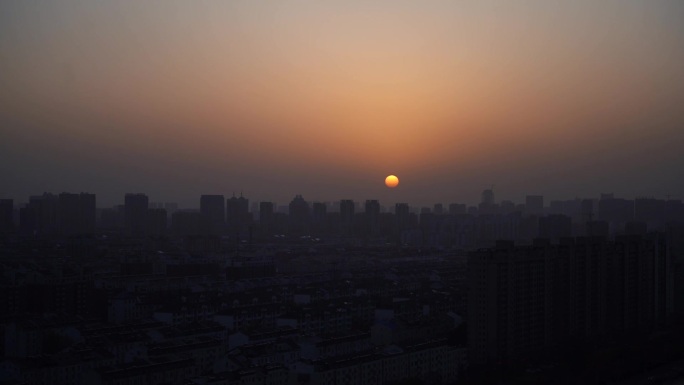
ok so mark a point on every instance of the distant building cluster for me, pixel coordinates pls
(327, 293)
(454, 226)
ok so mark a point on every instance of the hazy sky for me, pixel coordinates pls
(326, 98)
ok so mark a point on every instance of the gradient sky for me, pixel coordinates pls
(324, 99)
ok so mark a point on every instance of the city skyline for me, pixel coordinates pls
(560, 100)
(493, 199)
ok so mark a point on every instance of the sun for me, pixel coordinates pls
(392, 181)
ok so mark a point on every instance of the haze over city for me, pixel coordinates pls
(353, 192)
(325, 99)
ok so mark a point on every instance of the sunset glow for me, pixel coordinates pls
(243, 95)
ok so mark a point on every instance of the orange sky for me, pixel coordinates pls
(327, 98)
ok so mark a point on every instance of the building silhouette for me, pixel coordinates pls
(487, 197)
(238, 217)
(347, 209)
(320, 219)
(402, 220)
(299, 216)
(401, 213)
(135, 213)
(213, 210)
(528, 301)
(39, 216)
(487, 205)
(372, 216)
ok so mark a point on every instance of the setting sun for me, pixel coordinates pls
(391, 181)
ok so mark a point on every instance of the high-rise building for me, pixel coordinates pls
(372, 216)
(238, 217)
(213, 210)
(488, 197)
(347, 215)
(39, 216)
(526, 301)
(135, 213)
(299, 215)
(324, 218)
(509, 303)
(372, 208)
(401, 213)
(487, 205)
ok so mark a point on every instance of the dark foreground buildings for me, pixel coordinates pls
(526, 302)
